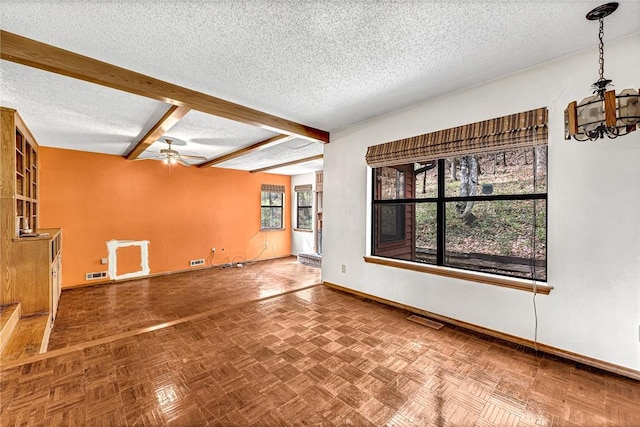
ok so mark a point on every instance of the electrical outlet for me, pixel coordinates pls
(344, 268)
(213, 250)
(103, 261)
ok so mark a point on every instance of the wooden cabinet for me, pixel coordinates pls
(36, 260)
(29, 266)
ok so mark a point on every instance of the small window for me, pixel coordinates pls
(304, 209)
(271, 210)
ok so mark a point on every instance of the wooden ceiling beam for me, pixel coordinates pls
(293, 162)
(32, 53)
(173, 115)
(274, 140)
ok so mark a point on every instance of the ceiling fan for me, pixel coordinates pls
(170, 156)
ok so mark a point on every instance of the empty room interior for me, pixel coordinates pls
(282, 213)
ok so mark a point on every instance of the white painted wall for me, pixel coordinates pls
(593, 214)
(301, 241)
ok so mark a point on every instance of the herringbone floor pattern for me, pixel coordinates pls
(307, 357)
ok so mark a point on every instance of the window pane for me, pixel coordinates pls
(304, 198)
(276, 199)
(426, 232)
(265, 218)
(426, 180)
(394, 230)
(304, 218)
(391, 222)
(520, 171)
(505, 237)
(276, 217)
(390, 183)
(264, 198)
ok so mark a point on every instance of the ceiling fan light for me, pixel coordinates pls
(172, 161)
(165, 161)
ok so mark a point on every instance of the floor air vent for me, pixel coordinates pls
(98, 275)
(194, 262)
(425, 322)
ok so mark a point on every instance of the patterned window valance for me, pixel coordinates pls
(273, 188)
(517, 130)
(306, 187)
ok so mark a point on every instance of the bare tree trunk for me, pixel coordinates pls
(541, 164)
(452, 168)
(541, 160)
(468, 186)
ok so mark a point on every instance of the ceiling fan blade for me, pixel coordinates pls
(150, 158)
(184, 156)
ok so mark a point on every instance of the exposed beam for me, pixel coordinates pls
(32, 53)
(294, 162)
(274, 140)
(173, 115)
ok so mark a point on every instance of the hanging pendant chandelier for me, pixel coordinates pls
(604, 113)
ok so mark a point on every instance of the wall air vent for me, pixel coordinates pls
(97, 275)
(195, 262)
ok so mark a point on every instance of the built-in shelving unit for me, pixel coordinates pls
(31, 258)
(26, 192)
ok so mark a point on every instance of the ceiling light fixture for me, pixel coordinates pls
(603, 113)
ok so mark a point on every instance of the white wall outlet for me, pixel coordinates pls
(344, 268)
(213, 250)
(103, 261)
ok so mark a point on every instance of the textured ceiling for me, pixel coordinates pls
(285, 152)
(326, 64)
(210, 136)
(69, 113)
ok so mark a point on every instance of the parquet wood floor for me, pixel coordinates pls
(307, 357)
(102, 311)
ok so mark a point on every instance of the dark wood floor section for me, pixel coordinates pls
(307, 357)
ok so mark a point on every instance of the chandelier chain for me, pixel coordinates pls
(601, 48)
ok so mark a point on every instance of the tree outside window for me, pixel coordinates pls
(271, 210)
(304, 209)
(482, 212)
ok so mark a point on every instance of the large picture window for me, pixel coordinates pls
(483, 212)
(272, 207)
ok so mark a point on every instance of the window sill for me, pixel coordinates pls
(304, 230)
(272, 229)
(484, 278)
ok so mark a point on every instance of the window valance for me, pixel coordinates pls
(273, 188)
(306, 187)
(516, 130)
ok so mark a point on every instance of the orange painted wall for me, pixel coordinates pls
(182, 211)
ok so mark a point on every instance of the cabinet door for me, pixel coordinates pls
(56, 267)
